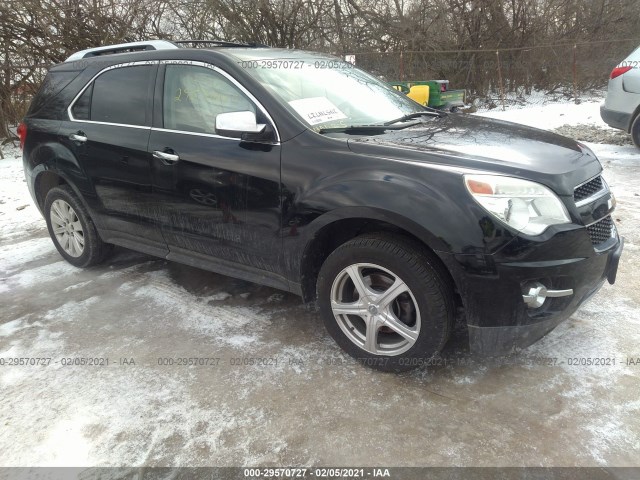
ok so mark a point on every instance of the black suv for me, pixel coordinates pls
(299, 171)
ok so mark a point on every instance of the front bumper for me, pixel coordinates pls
(498, 319)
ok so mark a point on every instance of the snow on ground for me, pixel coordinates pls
(18, 213)
(581, 121)
(314, 405)
(552, 115)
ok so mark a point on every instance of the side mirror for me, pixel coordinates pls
(234, 124)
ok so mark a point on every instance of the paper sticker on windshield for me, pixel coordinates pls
(317, 110)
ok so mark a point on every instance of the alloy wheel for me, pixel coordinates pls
(375, 309)
(67, 228)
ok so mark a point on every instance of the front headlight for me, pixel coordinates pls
(523, 205)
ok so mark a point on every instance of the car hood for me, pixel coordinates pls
(478, 143)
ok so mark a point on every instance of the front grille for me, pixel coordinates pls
(587, 189)
(600, 231)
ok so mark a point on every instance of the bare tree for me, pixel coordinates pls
(455, 39)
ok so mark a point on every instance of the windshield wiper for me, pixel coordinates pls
(429, 113)
(373, 128)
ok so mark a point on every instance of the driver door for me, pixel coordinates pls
(219, 196)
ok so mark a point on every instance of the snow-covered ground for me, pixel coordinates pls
(313, 405)
(581, 121)
(18, 213)
(552, 115)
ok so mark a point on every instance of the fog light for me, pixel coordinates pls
(537, 293)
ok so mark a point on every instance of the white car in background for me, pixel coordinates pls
(621, 108)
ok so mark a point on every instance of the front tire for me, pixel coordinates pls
(386, 301)
(71, 228)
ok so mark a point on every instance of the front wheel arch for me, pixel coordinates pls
(339, 231)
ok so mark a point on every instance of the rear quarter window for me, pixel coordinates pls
(54, 83)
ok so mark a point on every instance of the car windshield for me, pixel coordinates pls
(327, 92)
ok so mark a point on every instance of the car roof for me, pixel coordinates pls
(233, 53)
(273, 53)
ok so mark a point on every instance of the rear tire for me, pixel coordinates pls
(71, 228)
(386, 301)
(635, 131)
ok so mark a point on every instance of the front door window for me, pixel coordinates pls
(194, 96)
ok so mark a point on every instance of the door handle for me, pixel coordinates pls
(166, 158)
(78, 137)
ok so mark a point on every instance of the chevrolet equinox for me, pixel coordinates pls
(300, 171)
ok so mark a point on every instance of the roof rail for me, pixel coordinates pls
(217, 43)
(123, 48)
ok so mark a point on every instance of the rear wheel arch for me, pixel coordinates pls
(49, 162)
(333, 234)
(47, 178)
(44, 182)
(71, 228)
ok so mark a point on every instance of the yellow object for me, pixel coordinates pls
(420, 94)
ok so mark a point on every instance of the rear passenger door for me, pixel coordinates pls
(221, 195)
(108, 130)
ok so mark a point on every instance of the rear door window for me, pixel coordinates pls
(118, 96)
